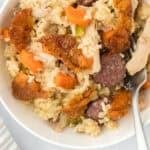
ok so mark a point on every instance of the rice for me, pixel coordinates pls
(40, 28)
(88, 126)
(11, 63)
(47, 108)
(12, 66)
(50, 24)
(48, 60)
(111, 124)
(90, 46)
(56, 16)
(44, 3)
(104, 14)
(103, 119)
(39, 13)
(9, 52)
(50, 18)
(46, 78)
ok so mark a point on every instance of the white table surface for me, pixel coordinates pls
(27, 142)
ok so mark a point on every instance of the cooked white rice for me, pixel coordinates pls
(88, 126)
(90, 46)
(47, 108)
(44, 3)
(12, 66)
(50, 18)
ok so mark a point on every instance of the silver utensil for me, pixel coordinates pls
(138, 81)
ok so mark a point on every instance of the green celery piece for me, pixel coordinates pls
(80, 30)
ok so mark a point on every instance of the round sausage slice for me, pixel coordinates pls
(112, 72)
(85, 2)
(96, 107)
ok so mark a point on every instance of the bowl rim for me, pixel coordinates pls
(13, 116)
(33, 133)
(36, 135)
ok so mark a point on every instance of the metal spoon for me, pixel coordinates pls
(138, 81)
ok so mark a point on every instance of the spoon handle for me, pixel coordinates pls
(140, 135)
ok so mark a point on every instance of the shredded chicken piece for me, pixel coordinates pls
(76, 106)
(134, 6)
(119, 106)
(124, 7)
(117, 40)
(143, 12)
(140, 56)
(24, 90)
(64, 48)
(20, 28)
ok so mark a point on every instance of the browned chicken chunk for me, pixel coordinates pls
(76, 106)
(20, 28)
(24, 90)
(86, 2)
(64, 48)
(119, 106)
(117, 40)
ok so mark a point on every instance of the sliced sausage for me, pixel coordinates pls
(86, 2)
(95, 108)
(112, 71)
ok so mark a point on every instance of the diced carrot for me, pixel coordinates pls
(146, 85)
(76, 16)
(28, 60)
(65, 81)
(22, 89)
(5, 35)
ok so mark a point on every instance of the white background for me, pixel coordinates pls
(27, 142)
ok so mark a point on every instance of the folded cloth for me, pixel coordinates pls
(6, 140)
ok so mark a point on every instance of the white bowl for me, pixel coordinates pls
(32, 123)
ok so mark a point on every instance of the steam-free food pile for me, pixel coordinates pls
(72, 60)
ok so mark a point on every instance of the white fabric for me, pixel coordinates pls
(6, 141)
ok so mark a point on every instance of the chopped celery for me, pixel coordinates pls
(75, 121)
(22, 68)
(80, 30)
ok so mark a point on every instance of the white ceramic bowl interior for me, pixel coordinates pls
(33, 124)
